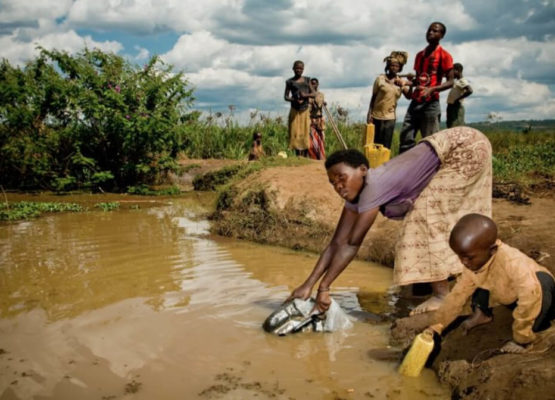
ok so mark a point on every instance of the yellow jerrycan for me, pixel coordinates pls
(369, 133)
(376, 154)
(418, 354)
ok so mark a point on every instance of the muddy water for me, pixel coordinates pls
(145, 304)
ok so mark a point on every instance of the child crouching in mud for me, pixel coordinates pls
(494, 274)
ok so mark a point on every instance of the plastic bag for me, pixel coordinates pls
(295, 316)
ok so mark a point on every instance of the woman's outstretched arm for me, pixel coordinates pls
(348, 236)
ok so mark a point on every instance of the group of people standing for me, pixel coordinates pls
(431, 65)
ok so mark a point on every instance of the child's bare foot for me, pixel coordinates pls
(477, 318)
(432, 304)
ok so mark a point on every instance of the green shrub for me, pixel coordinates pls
(89, 120)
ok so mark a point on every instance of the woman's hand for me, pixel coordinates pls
(323, 301)
(302, 292)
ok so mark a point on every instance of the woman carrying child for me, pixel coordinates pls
(385, 93)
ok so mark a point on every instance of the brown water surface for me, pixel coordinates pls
(145, 304)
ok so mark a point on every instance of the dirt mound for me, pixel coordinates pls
(473, 366)
(294, 207)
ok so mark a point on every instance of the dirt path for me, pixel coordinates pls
(296, 207)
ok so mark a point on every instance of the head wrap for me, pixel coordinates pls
(400, 56)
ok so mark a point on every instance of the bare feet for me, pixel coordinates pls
(477, 318)
(440, 289)
(432, 304)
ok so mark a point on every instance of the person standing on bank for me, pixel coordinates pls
(430, 65)
(385, 93)
(298, 92)
(461, 89)
(317, 149)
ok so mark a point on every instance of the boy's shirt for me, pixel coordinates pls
(509, 276)
(457, 90)
(430, 71)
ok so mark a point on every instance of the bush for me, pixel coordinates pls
(88, 120)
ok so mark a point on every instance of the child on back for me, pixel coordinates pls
(494, 274)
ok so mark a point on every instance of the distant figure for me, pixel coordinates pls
(431, 65)
(298, 92)
(385, 93)
(461, 89)
(316, 149)
(257, 151)
(494, 274)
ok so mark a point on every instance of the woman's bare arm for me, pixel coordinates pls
(346, 240)
(346, 250)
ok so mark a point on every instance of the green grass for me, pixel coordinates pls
(519, 157)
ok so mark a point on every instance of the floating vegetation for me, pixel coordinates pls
(111, 206)
(30, 209)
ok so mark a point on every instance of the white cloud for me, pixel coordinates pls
(142, 53)
(18, 52)
(19, 10)
(241, 51)
(146, 16)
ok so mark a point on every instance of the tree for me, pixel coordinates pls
(89, 119)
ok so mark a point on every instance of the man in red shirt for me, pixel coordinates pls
(431, 65)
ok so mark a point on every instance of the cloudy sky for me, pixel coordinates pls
(241, 51)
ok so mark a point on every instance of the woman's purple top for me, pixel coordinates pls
(395, 185)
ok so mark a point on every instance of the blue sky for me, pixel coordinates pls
(241, 51)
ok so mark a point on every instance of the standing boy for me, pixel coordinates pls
(431, 65)
(461, 89)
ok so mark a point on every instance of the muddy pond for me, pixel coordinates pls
(144, 303)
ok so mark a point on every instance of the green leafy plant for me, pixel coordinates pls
(28, 209)
(109, 206)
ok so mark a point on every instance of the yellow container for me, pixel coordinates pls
(418, 354)
(369, 133)
(376, 154)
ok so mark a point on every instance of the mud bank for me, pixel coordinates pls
(296, 207)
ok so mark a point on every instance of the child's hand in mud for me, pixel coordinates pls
(512, 347)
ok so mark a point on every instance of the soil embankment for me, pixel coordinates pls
(296, 207)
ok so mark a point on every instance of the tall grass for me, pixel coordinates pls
(518, 156)
(222, 137)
